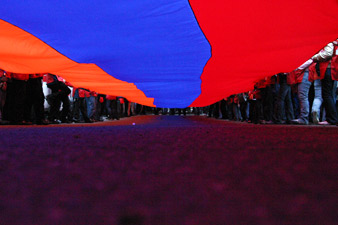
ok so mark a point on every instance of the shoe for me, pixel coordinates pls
(299, 122)
(88, 121)
(55, 121)
(42, 122)
(4, 122)
(24, 123)
(323, 123)
(66, 121)
(261, 122)
(315, 118)
(75, 121)
(279, 122)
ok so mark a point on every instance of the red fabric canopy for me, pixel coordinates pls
(252, 39)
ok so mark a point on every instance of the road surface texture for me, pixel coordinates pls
(168, 170)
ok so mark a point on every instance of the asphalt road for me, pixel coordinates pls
(168, 170)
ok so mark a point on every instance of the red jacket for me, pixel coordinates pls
(20, 76)
(49, 78)
(324, 65)
(34, 76)
(93, 93)
(110, 97)
(261, 83)
(313, 75)
(296, 76)
(82, 92)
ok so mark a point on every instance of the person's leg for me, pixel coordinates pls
(119, 109)
(55, 103)
(126, 108)
(322, 113)
(129, 112)
(243, 110)
(239, 113)
(328, 98)
(38, 102)
(20, 97)
(108, 108)
(251, 110)
(115, 110)
(132, 109)
(268, 106)
(255, 114)
(83, 109)
(234, 111)
(76, 110)
(197, 111)
(303, 96)
(334, 91)
(317, 101)
(280, 102)
(216, 110)
(8, 108)
(65, 109)
(275, 90)
(98, 111)
(94, 110)
(296, 104)
(247, 110)
(289, 107)
(90, 106)
(211, 108)
(29, 100)
(2, 103)
(260, 111)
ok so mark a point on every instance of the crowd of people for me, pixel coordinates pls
(303, 96)
(23, 101)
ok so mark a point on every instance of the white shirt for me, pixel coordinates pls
(324, 54)
(306, 64)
